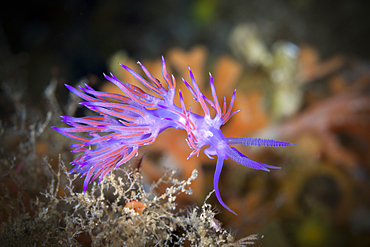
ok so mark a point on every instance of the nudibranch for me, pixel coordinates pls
(135, 118)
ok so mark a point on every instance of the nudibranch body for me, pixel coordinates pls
(135, 118)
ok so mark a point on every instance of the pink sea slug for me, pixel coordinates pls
(128, 121)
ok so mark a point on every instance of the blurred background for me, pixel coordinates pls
(302, 72)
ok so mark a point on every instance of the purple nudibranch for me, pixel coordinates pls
(127, 122)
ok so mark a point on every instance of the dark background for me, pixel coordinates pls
(75, 39)
(79, 36)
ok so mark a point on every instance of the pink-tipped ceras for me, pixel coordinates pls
(128, 122)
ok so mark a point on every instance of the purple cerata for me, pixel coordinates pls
(134, 119)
